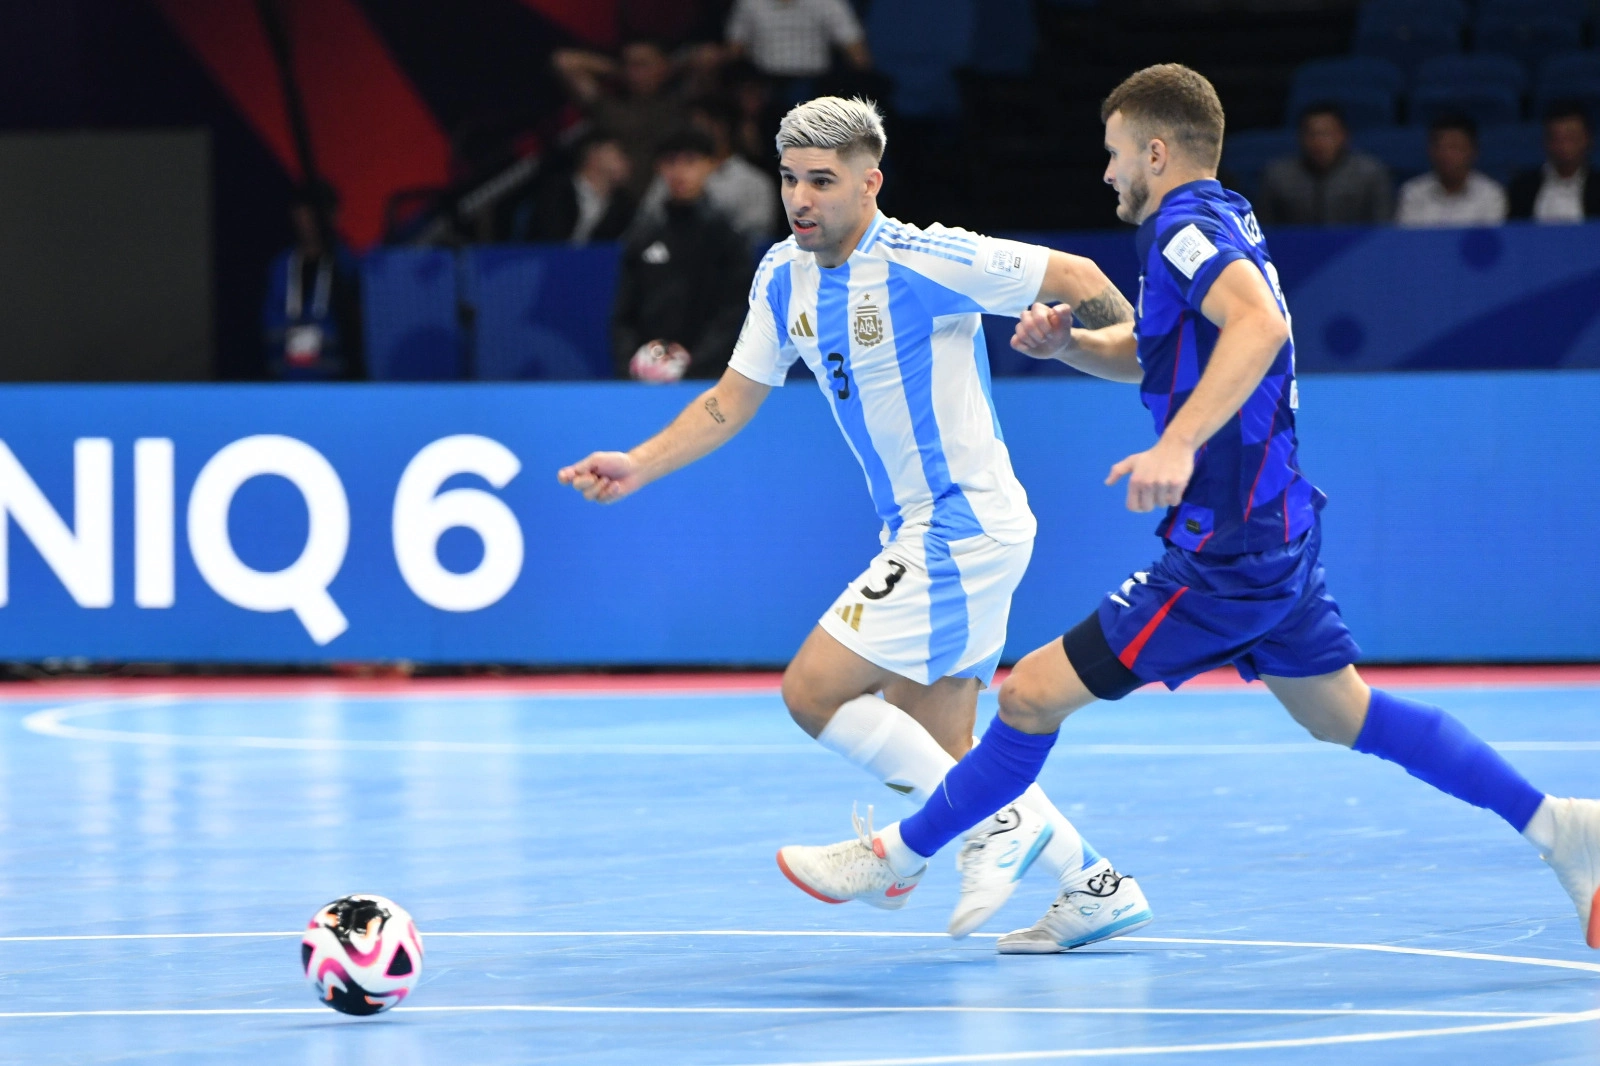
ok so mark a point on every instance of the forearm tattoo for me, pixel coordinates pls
(715, 411)
(1107, 309)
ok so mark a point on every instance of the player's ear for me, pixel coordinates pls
(873, 180)
(1157, 155)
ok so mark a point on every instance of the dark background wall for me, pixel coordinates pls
(105, 256)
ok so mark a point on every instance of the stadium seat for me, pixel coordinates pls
(1325, 75)
(1003, 38)
(1480, 68)
(1505, 150)
(1575, 10)
(543, 311)
(1484, 104)
(410, 318)
(1245, 155)
(1569, 76)
(1363, 105)
(919, 44)
(1390, 11)
(1403, 149)
(1407, 43)
(1531, 37)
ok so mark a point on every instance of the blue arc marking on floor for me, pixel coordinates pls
(614, 893)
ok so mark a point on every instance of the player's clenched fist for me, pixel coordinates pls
(1156, 478)
(603, 477)
(1044, 332)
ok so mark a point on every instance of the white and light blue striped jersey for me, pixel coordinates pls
(894, 338)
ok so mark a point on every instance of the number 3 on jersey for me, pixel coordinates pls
(841, 379)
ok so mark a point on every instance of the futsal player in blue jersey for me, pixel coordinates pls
(887, 317)
(1240, 581)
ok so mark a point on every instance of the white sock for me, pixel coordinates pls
(889, 744)
(1068, 854)
(1541, 828)
(897, 853)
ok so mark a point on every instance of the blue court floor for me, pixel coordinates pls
(593, 876)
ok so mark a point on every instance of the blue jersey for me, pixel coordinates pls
(1247, 494)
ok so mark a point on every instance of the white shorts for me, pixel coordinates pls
(928, 609)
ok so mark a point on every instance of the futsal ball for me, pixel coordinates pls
(362, 954)
(659, 361)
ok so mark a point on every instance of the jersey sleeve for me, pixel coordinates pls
(1001, 277)
(763, 352)
(1195, 249)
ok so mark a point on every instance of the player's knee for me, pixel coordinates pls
(1025, 704)
(810, 710)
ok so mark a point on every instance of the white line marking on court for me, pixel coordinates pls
(55, 722)
(554, 1008)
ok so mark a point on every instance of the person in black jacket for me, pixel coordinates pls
(1562, 190)
(685, 275)
(588, 201)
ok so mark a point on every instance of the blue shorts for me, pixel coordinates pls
(1266, 613)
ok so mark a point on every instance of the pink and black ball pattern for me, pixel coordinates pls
(362, 954)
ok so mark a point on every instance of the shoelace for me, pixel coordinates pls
(863, 830)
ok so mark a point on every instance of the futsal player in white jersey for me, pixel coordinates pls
(886, 317)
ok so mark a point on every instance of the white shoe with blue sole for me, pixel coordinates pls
(1104, 905)
(991, 862)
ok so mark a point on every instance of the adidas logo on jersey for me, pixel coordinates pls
(851, 615)
(801, 327)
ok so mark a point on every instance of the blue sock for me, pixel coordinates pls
(1434, 747)
(993, 774)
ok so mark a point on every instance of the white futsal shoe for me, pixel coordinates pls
(1575, 857)
(852, 869)
(995, 856)
(1105, 905)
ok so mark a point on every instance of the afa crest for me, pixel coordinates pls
(868, 324)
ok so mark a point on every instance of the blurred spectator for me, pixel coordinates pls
(746, 195)
(1453, 193)
(1561, 190)
(793, 39)
(311, 317)
(685, 276)
(630, 101)
(755, 115)
(1327, 184)
(587, 202)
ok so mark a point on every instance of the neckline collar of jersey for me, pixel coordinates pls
(1210, 185)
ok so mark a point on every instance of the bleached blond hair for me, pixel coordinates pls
(849, 127)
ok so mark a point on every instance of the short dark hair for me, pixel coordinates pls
(1323, 107)
(316, 194)
(688, 141)
(1460, 123)
(718, 108)
(1175, 103)
(1565, 109)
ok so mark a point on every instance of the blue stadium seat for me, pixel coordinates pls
(1407, 43)
(1324, 75)
(919, 44)
(1388, 12)
(410, 320)
(543, 311)
(1504, 150)
(1480, 68)
(1575, 10)
(1403, 149)
(1485, 104)
(1245, 155)
(1363, 105)
(1532, 38)
(1569, 76)
(1004, 37)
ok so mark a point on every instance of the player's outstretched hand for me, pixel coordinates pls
(1044, 332)
(1156, 478)
(603, 477)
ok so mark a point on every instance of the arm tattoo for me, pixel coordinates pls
(1107, 309)
(715, 411)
